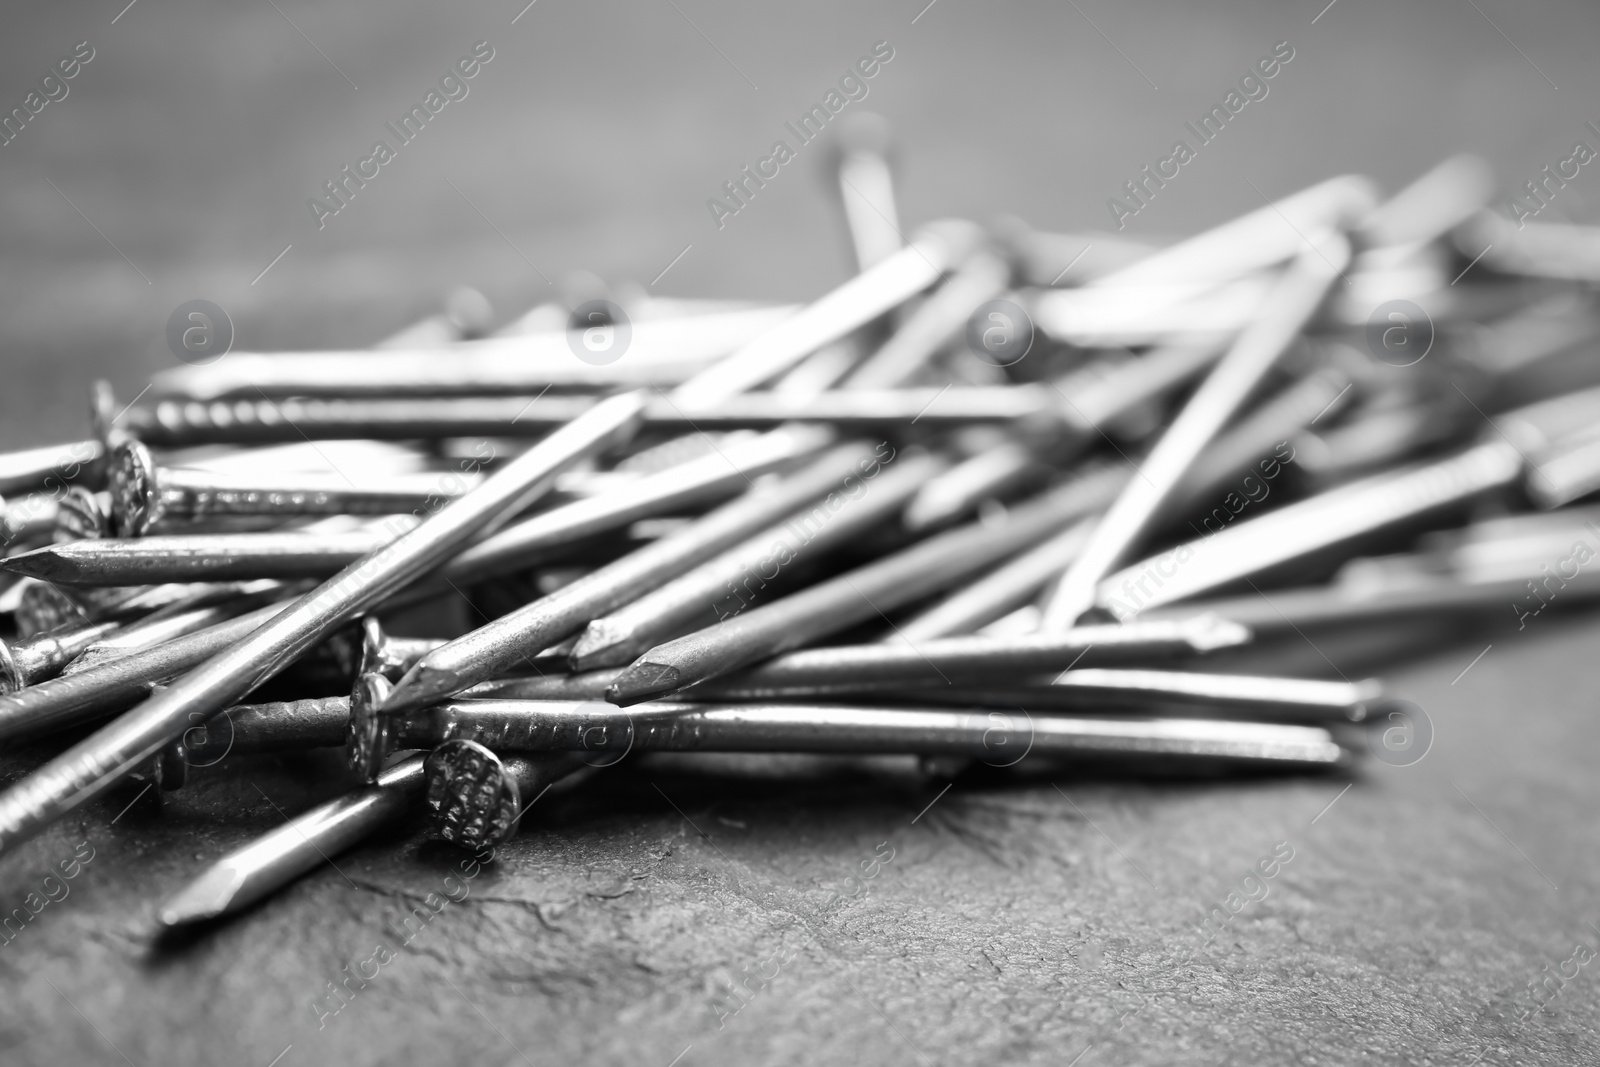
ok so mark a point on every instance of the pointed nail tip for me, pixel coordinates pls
(41, 563)
(178, 914)
(641, 682)
(420, 688)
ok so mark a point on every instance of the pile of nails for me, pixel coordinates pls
(1003, 497)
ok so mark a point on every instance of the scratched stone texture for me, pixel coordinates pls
(1029, 917)
(1020, 918)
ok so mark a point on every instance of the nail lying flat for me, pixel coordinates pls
(93, 765)
(1092, 399)
(884, 286)
(562, 726)
(191, 557)
(929, 327)
(992, 596)
(144, 494)
(709, 479)
(1294, 301)
(27, 662)
(117, 683)
(662, 352)
(35, 468)
(1262, 238)
(197, 557)
(319, 722)
(1260, 435)
(515, 637)
(859, 595)
(717, 588)
(246, 875)
(270, 421)
(1513, 453)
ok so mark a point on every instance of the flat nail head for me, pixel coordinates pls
(133, 489)
(79, 516)
(11, 678)
(371, 736)
(472, 800)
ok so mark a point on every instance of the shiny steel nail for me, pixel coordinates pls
(934, 250)
(272, 861)
(1431, 206)
(1238, 693)
(197, 557)
(172, 424)
(995, 594)
(856, 596)
(177, 620)
(662, 352)
(28, 519)
(95, 692)
(50, 467)
(143, 494)
(1513, 452)
(93, 765)
(1263, 238)
(717, 588)
(1237, 450)
(383, 653)
(1296, 298)
(590, 727)
(1092, 399)
(27, 662)
(189, 557)
(814, 672)
(934, 323)
(510, 639)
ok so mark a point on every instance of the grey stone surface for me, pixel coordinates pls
(1021, 918)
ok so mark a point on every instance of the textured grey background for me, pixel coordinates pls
(1017, 922)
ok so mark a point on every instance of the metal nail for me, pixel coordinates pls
(92, 694)
(856, 596)
(50, 467)
(30, 661)
(1294, 301)
(1094, 398)
(499, 645)
(297, 554)
(662, 352)
(172, 424)
(143, 494)
(524, 726)
(1513, 452)
(1236, 451)
(277, 858)
(476, 798)
(1009, 587)
(93, 765)
(1263, 238)
(934, 250)
(718, 588)
(934, 323)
